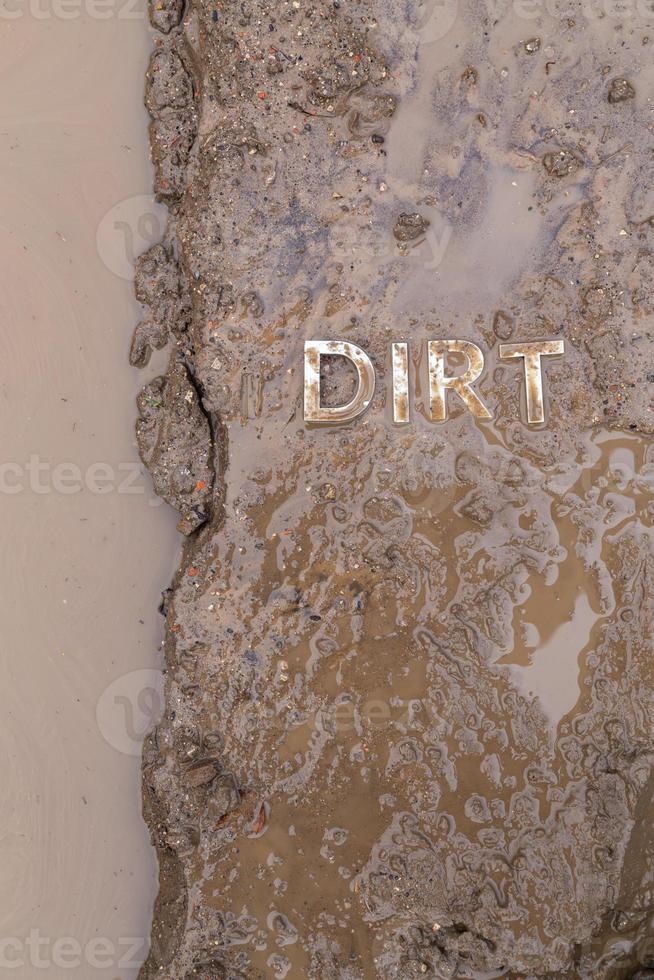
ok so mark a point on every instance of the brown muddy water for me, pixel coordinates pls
(85, 552)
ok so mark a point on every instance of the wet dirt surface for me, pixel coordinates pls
(409, 682)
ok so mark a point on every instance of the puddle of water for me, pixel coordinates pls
(85, 553)
(553, 674)
(486, 257)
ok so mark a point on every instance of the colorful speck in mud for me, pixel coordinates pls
(408, 723)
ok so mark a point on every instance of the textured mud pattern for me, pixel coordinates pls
(408, 726)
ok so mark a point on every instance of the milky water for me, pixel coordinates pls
(85, 549)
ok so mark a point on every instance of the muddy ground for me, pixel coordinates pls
(408, 669)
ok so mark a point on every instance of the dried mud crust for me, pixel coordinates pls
(356, 775)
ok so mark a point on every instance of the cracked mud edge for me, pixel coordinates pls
(210, 82)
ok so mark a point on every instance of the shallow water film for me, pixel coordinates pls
(408, 685)
(86, 546)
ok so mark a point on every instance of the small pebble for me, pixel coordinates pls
(620, 90)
